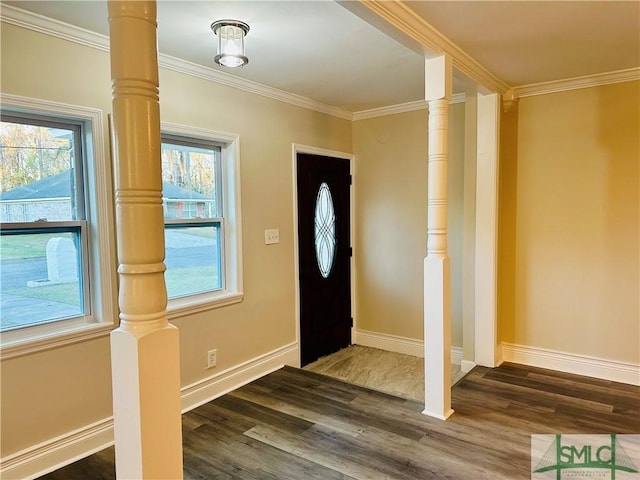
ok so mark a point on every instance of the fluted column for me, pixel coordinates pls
(437, 298)
(144, 349)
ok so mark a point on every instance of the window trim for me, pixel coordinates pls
(231, 292)
(102, 272)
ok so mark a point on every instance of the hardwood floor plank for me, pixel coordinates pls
(298, 425)
(524, 394)
(259, 414)
(246, 458)
(573, 390)
(315, 408)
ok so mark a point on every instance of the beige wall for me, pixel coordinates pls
(391, 221)
(572, 241)
(574, 254)
(56, 391)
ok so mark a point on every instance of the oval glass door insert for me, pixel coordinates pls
(325, 230)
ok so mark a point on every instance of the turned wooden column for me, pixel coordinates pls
(437, 297)
(144, 349)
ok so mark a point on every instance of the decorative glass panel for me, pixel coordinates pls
(325, 230)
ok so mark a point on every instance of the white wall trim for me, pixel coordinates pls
(48, 456)
(390, 343)
(397, 344)
(207, 389)
(466, 366)
(391, 110)
(212, 75)
(572, 363)
(38, 23)
(456, 355)
(586, 81)
(402, 108)
(402, 17)
(57, 452)
(55, 28)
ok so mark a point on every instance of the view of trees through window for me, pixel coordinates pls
(42, 232)
(193, 171)
(30, 153)
(43, 257)
(193, 216)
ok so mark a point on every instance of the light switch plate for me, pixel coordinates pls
(271, 236)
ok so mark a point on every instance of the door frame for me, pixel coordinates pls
(297, 148)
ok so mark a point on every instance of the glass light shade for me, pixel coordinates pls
(231, 35)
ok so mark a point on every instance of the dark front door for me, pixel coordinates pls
(324, 252)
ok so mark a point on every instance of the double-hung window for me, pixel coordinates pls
(201, 211)
(53, 236)
(43, 249)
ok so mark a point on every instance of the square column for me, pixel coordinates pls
(486, 266)
(437, 296)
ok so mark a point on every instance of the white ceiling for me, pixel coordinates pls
(526, 42)
(323, 51)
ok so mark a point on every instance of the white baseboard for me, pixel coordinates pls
(57, 452)
(394, 343)
(571, 363)
(466, 366)
(48, 456)
(223, 382)
(390, 343)
(456, 355)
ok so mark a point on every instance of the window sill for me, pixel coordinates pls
(181, 307)
(26, 343)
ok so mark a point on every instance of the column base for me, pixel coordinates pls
(146, 403)
(438, 415)
(437, 338)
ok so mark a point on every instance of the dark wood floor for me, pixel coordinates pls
(295, 424)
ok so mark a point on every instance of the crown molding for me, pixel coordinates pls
(400, 15)
(212, 75)
(391, 110)
(55, 28)
(586, 81)
(402, 108)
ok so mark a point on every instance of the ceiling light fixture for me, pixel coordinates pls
(231, 35)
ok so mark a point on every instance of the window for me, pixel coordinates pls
(43, 241)
(200, 193)
(52, 218)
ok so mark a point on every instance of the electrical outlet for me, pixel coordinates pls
(212, 358)
(271, 236)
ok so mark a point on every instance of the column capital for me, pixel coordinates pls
(438, 78)
(509, 100)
